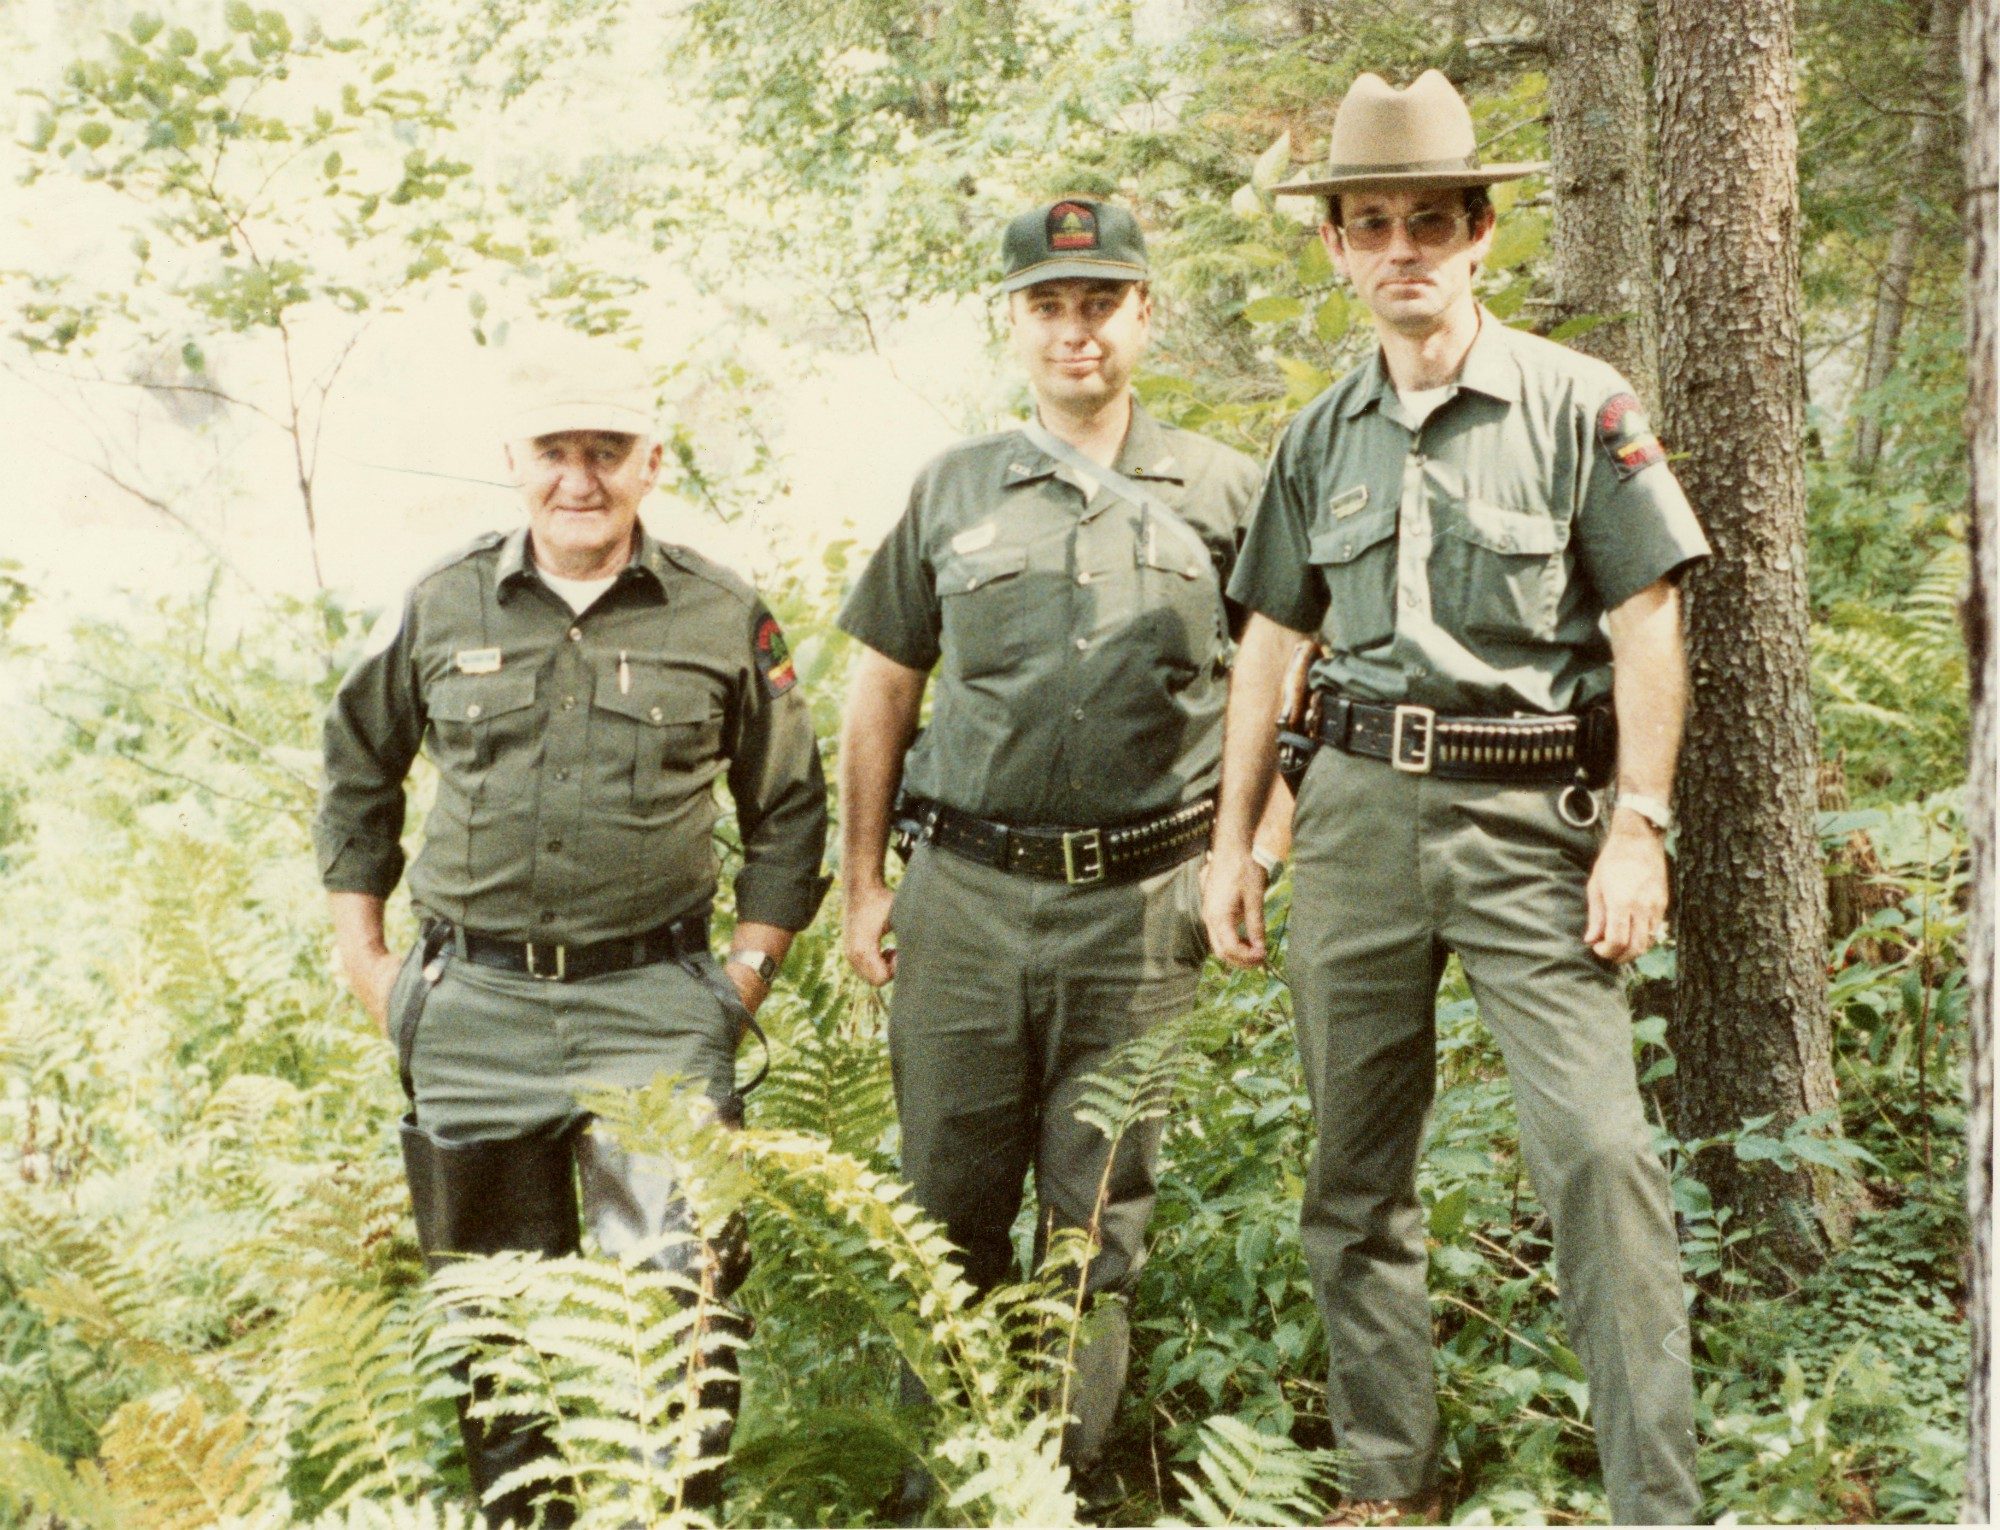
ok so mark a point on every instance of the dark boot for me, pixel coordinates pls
(487, 1198)
(631, 1200)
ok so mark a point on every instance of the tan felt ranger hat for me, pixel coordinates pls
(557, 379)
(1419, 136)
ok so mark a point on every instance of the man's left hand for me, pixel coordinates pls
(1628, 890)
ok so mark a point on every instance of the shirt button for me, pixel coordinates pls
(1083, 579)
(656, 714)
(1347, 549)
(1077, 714)
(472, 709)
(1081, 644)
(576, 634)
(562, 775)
(568, 702)
(1410, 598)
(555, 844)
(972, 583)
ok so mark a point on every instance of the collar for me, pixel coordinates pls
(515, 568)
(1147, 452)
(1489, 368)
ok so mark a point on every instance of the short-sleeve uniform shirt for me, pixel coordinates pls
(1464, 559)
(1080, 642)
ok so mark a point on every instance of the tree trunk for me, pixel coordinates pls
(1751, 1032)
(1602, 249)
(1899, 267)
(1982, 169)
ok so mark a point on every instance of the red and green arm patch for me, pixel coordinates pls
(773, 654)
(1627, 438)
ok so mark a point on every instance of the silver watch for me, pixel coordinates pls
(1652, 809)
(762, 963)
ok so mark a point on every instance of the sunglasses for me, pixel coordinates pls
(1432, 229)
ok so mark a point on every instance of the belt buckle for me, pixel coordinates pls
(562, 964)
(1417, 762)
(1083, 856)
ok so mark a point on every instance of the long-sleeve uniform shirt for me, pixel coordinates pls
(576, 755)
(1081, 643)
(1464, 559)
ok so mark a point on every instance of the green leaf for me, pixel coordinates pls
(1583, 324)
(1314, 265)
(383, 72)
(1274, 309)
(1518, 239)
(1448, 1214)
(332, 164)
(240, 15)
(1272, 163)
(192, 358)
(1567, 1362)
(93, 135)
(145, 28)
(1334, 317)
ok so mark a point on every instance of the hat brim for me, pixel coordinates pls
(1070, 268)
(553, 419)
(1485, 175)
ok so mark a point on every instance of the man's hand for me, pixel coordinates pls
(371, 975)
(864, 923)
(1628, 889)
(1232, 906)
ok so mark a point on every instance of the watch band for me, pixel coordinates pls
(1273, 864)
(1652, 809)
(762, 963)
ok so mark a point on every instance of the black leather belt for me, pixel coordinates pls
(1418, 740)
(568, 964)
(1121, 853)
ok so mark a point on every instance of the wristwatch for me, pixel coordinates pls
(1272, 864)
(762, 963)
(1652, 809)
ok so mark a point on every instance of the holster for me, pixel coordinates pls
(1298, 715)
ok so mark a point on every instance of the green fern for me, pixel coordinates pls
(1242, 1477)
(420, 1515)
(31, 1479)
(833, 1086)
(358, 1386)
(1137, 1082)
(181, 1470)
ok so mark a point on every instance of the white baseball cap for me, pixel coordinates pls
(560, 379)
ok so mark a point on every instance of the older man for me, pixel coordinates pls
(580, 686)
(1480, 529)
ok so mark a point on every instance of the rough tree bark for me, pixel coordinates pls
(1982, 209)
(1899, 266)
(1602, 245)
(1751, 1031)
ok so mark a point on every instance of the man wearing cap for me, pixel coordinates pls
(580, 686)
(1479, 528)
(1063, 579)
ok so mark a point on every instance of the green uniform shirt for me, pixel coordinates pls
(1465, 559)
(576, 755)
(1081, 642)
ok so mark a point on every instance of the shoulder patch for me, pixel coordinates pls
(1625, 435)
(773, 655)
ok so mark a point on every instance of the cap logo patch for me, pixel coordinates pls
(774, 656)
(1072, 226)
(1627, 438)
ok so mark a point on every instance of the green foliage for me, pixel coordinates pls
(1242, 1477)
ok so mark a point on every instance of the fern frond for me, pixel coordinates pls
(32, 1479)
(349, 1225)
(422, 1514)
(1011, 1477)
(1243, 1477)
(184, 1470)
(836, 1087)
(1137, 1081)
(359, 1390)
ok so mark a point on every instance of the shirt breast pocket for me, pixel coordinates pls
(657, 728)
(1356, 558)
(1501, 571)
(1181, 591)
(983, 609)
(476, 718)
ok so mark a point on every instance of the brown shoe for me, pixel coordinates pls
(1417, 1509)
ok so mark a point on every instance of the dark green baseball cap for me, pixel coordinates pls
(1072, 237)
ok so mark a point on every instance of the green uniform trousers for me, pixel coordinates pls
(495, 1054)
(1009, 993)
(1392, 872)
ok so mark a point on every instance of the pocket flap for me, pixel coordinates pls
(656, 700)
(1509, 531)
(471, 698)
(963, 573)
(1345, 541)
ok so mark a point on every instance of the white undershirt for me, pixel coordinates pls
(578, 593)
(1419, 402)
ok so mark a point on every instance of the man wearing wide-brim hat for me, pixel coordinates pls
(1478, 528)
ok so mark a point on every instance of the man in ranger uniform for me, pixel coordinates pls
(1064, 580)
(580, 687)
(1479, 527)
